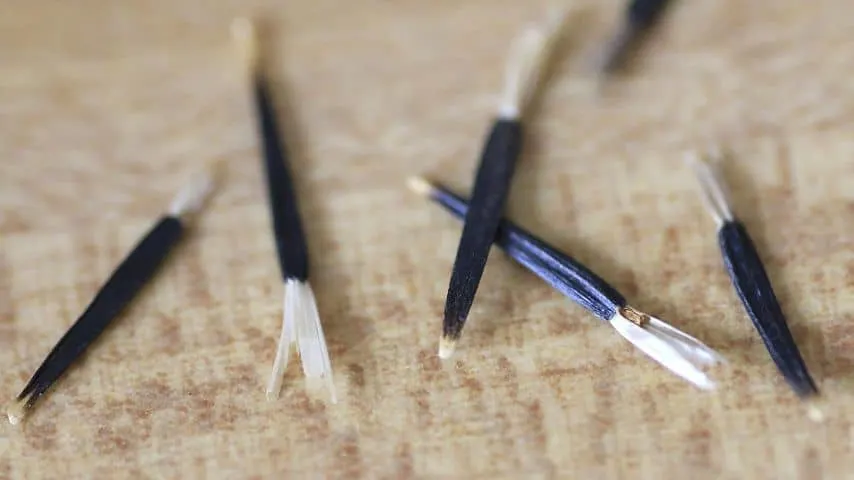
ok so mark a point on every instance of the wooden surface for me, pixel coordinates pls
(106, 108)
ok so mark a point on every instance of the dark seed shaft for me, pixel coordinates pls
(491, 188)
(644, 14)
(754, 289)
(287, 224)
(641, 16)
(558, 270)
(119, 290)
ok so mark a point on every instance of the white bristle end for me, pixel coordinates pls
(192, 197)
(712, 189)
(676, 351)
(301, 327)
(527, 63)
(246, 39)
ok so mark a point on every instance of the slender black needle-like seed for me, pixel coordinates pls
(673, 349)
(300, 319)
(639, 18)
(493, 177)
(751, 282)
(564, 273)
(120, 289)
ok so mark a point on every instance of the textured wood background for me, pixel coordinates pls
(107, 107)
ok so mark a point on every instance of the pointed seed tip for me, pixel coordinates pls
(419, 185)
(446, 347)
(814, 412)
(17, 411)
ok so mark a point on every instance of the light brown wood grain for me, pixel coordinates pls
(106, 108)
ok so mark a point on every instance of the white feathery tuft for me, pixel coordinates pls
(712, 188)
(283, 351)
(301, 326)
(526, 64)
(675, 350)
(192, 197)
